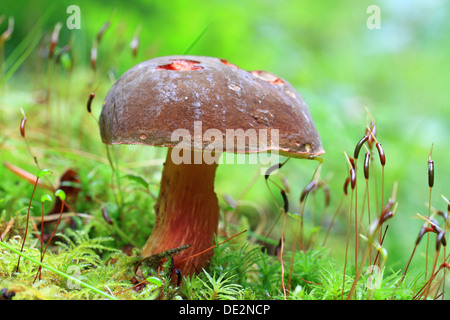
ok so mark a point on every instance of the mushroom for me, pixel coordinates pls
(161, 96)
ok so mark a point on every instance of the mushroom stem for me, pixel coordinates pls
(187, 213)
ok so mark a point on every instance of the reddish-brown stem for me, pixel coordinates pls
(382, 190)
(428, 236)
(382, 157)
(430, 185)
(357, 275)
(445, 271)
(381, 243)
(368, 202)
(28, 218)
(51, 237)
(375, 187)
(187, 211)
(432, 272)
(283, 286)
(356, 222)
(383, 218)
(346, 245)
(42, 236)
(409, 261)
(366, 196)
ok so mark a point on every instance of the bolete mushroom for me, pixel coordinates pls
(158, 97)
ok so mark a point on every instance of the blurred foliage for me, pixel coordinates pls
(324, 48)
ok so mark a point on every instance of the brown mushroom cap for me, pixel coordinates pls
(160, 95)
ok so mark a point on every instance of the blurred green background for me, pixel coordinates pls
(342, 68)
